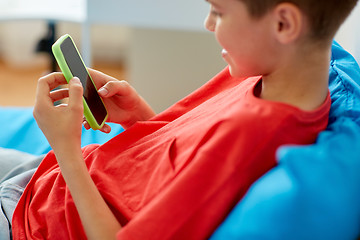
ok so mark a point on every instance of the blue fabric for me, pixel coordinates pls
(19, 131)
(314, 192)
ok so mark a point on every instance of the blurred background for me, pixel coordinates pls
(160, 46)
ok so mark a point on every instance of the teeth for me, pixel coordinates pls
(224, 53)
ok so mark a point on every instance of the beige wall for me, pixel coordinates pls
(165, 65)
(349, 34)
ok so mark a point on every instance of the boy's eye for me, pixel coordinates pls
(215, 13)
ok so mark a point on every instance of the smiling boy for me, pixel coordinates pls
(281, 46)
(177, 175)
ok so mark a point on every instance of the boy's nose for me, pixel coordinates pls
(209, 23)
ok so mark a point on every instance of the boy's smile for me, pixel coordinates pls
(245, 40)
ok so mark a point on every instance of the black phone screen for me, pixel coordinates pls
(78, 69)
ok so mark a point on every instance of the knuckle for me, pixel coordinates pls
(117, 82)
(37, 113)
(124, 83)
(77, 108)
(42, 79)
(77, 87)
(124, 86)
(111, 84)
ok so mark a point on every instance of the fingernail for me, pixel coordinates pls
(103, 91)
(107, 129)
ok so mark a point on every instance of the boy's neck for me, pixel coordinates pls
(301, 81)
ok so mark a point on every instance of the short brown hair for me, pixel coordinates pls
(325, 16)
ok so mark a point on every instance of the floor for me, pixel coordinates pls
(18, 86)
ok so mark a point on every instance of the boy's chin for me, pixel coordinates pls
(235, 72)
(238, 73)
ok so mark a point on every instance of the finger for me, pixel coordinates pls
(60, 94)
(53, 80)
(115, 87)
(106, 129)
(75, 93)
(100, 79)
(86, 125)
(44, 86)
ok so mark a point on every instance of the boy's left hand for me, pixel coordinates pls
(60, 124)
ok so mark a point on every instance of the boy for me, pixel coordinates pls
(177, 175)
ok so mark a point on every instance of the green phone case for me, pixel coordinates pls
(68, 76)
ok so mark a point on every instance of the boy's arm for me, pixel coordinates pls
(96, 217)
(62, 127)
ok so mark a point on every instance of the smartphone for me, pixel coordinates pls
(71, 64)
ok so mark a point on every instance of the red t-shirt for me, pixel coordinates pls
(178, 175)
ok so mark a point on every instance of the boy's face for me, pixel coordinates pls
(246, 41)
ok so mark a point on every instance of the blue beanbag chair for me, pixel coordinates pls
(314, 192)
(20, 132)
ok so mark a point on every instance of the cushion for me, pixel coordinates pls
(19, 131)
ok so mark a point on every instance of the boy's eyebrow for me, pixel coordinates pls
(212, 2)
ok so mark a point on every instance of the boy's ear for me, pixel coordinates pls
(289, 22)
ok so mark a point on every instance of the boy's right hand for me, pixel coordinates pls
(124, 105)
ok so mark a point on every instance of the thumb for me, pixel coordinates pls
(115, 87)
(75, 92)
